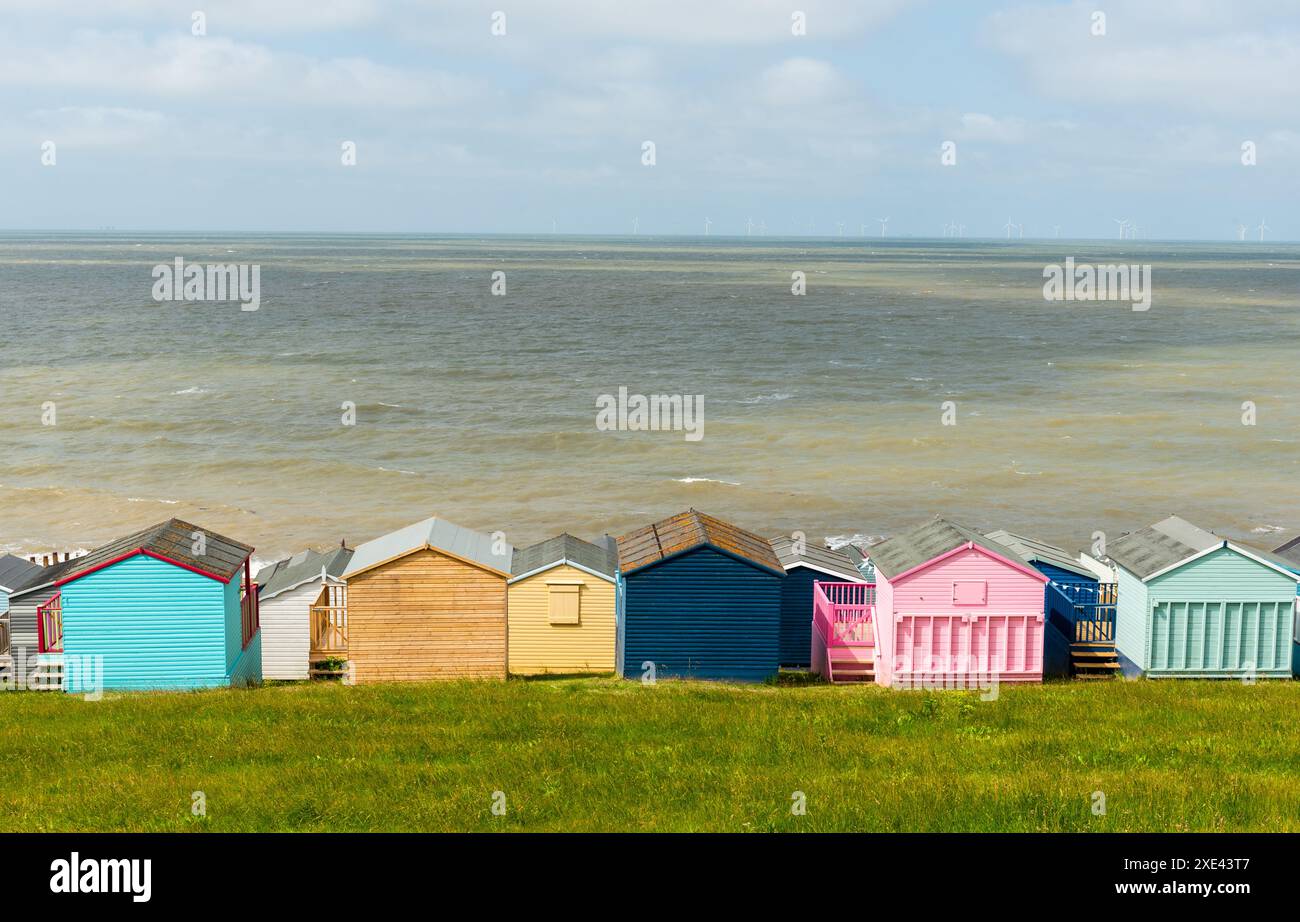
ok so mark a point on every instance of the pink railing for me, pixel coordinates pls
(49, 625)
(844, 613)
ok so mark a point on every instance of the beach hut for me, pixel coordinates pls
(561, 607)
(1078, 608)
(303, 603)
(1290, 552)
(699, 598)
(14, 571)
(1193, 604)
(428, 602)
(954, 609)
(804, 564)
(25, 663)
(172, 606)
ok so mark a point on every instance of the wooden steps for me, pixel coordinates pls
(1094, 660)
(850, 667)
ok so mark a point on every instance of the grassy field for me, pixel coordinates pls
(600, 754)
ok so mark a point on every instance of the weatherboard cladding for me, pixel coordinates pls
(155, 625)
(464, 543)
(174, 540)
(689, 530)
(599, 558)
(286, 631)
(702, 613)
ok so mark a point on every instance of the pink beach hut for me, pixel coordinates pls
(953, 609)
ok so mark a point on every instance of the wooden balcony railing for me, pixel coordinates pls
(4, 637)
(329, 622)
(49, 625)
(845, 613)
(1094, 612)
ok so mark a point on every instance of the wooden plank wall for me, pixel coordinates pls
(426, 616)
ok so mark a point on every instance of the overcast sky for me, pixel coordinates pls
(460, 130)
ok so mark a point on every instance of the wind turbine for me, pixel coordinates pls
(1021, 229)
(749, 227)
(552, 225)
(636, 224)
(762, 227)
(1056, 231)
(840, 225)
(1241, 231)
(1007, 227)
(1262, 227)
(862, 231)
(1123, 224)
(961, 230)
(707, 224)
(883, 223)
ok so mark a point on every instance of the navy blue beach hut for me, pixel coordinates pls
(1078, 609)
(805, 564)
(698, 598)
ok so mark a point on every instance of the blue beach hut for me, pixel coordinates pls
(805, 564)
(164, 608)
(698, 598)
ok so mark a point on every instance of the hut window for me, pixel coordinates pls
(564, 602)
(970, 592)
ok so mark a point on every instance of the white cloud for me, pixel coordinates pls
(800, 81)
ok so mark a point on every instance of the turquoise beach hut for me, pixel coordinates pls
(1195, 605)
(164, 608)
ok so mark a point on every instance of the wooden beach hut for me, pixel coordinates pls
(1290, 552)
(805, 564)
(26, 663)
(303, 604)
(561, 607)
(954, 609)
(699, 598)
(427, 602)
(1078, 609)
(1193, 604)
(172, 606)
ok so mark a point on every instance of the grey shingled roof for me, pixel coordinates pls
(1158, 547)
(301, 568)
(439, 534)
(1036, 551)
(1172, 541)
(923, 543)
(599, 558)
(173, 539)
(14, 571)
(822, 558)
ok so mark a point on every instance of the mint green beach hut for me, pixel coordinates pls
(1195, 605)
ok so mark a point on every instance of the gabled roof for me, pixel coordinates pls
(1172, 542)
(437, 534)
(924, 544)
(14, 571)
(1289, 552)
(597, 559)
(300, 569)
(688, 530)
(172, 541)
(831, 562)
(1035, 551)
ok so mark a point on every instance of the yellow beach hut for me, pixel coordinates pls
(561, 607)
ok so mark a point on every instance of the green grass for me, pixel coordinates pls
(602, 754)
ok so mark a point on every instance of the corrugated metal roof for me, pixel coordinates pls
(813, 555)
(599, 558)
(1158, 547)
(173, 539)
(301, 568)
(923, 543)
(439, 534)
(14, 571)
(687, 530)
(1036, 551)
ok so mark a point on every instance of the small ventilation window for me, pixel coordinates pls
(970, 592)
(565, 602)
